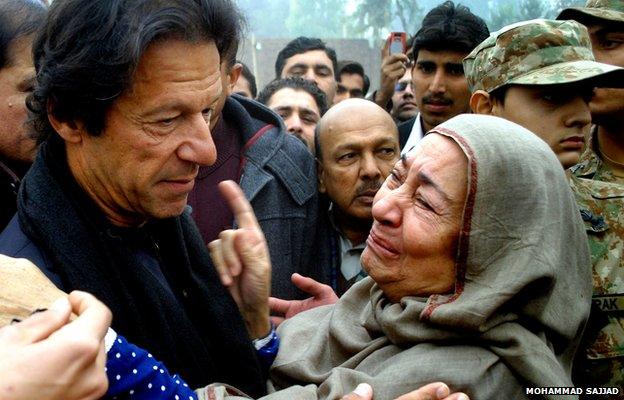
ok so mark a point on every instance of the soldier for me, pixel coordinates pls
(599, 187)
(540, 74)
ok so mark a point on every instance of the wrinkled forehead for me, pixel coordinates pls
(310, 59)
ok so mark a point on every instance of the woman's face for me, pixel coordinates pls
(411, 249)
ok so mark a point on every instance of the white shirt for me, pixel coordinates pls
(415, 135)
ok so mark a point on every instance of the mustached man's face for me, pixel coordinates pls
(440, 87)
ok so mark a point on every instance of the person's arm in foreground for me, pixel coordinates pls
(46, 357)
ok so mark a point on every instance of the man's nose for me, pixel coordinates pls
(198, 146)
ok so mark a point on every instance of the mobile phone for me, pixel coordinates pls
(398, 42)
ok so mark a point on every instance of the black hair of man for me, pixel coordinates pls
(87, 51)
(450, 27)
(18, 18)
(295, 83)
(301, 45)
(247, 74)
(353, 67)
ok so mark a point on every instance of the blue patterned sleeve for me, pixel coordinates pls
(133, 373)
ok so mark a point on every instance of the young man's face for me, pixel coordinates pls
(350, 86)
(299, 111)
(607, 105)
(440, 87)
(559, 114)
(315, 66)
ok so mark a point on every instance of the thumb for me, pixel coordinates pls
(363, 391)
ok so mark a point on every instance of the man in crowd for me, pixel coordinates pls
(356, 148)
(447, 35)
(352, 82)
(599, 188)
(18, 21)
(276, 173)
(299, 102)
(404, 105)
(544, 85)
(102, 208)
(311, 59)
(246, 83)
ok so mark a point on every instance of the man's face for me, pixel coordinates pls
(559, 114)
(607, 105)
(350, 86)
(440, 87)
(315, 66)
(403, 102)
(156, 135)
(299, 112)
(16, 82)
(356, 158)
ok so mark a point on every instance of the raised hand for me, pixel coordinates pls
(393, 67)
(242, 260)
(321, 295)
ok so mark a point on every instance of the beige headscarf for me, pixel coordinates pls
(521, 299)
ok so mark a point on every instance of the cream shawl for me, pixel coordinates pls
(521, 298)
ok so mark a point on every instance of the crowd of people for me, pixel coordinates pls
(171, 231)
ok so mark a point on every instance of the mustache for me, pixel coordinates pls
(368, 185)
(427, 99)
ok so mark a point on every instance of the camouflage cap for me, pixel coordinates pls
(610, 10)
(537, 52)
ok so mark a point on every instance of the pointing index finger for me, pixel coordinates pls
(239, 205)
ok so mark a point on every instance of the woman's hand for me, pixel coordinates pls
(321, 295)
(432, 391)
(242, 260)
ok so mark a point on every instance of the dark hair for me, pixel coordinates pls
(302, 45)
(88, 51)
(247, 74)
(18, 18)
(450, 27)
(353, 67)
(499, 94)
(296, 83)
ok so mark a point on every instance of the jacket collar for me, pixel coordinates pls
(265, 150)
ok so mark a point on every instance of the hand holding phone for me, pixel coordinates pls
(397, 42)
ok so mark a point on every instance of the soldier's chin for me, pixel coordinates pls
(569, 158)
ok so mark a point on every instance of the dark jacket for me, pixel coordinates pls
(9, 184)
(157, 279)
(405, 128)
(279, 179)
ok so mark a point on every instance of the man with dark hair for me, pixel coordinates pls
(122, 108)
(18, 21)
(299, 102)
(447, 35)
(311, 59)
(246, 83)
(352, 82)
(598, 184)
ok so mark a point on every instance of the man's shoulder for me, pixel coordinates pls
(269, 151)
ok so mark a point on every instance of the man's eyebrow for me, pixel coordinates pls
(426, 179)
(299, 65)
(283, 108)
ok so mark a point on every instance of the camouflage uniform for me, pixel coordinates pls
(543, 52)
(600, 195)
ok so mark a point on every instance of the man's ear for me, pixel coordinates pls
(320, 176)
(70, 131)
(481, 103)
(233, 75)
